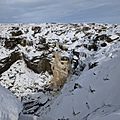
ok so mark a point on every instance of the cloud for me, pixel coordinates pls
(57, 10)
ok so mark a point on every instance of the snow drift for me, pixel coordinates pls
(10, 107)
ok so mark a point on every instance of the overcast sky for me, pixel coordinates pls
(61, 11)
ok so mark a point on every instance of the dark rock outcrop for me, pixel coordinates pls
(92, 47)
(11, 43)
(103, 37)
(16, 33)
(42, 45)
(38, 64)
(8, 61)
(31, 107)
(36, 29)
(92, 65)
(103, 44)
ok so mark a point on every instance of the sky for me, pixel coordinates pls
(59, 11)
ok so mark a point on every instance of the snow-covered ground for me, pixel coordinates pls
(96, 94)
(10, 107)
(91, 93)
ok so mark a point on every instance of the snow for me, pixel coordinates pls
(113, 116)
(24, 81)
(89, 94)
(10, 107)
(114, 37)
(88, 105)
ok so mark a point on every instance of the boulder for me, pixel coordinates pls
(92, 47)
(38, 64)
(36, 29)
(103, 44)
(103, 37)
(5, 63)
(11, 43)
(16, 33)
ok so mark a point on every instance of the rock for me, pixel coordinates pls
(75, 63)
(8, 61)
(11, 43)
(82, 66)
(42, 45)
(23, 42)
(28, 105)
(114, 37)
(93, 46)
(36, 29)
(16, 33)
(109, 40)
(103, 37)
(103, 44)
(75, 53)
(92, 65)
(82, 54)
(15, 28)
(75, 39)
(38, 64)
(86, 28)
(61, 68)
(42, 40)
(44, 65)
(77, 85)
(31, 107)
(63, 47)
(30, 43)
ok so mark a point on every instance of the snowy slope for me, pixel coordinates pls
(10, 107)
(94, 95)
(112, 116)
(97, 97)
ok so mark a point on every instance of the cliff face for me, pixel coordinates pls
(61, 68)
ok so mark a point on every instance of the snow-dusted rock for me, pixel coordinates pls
(114, 37)
(92, 91)
(79, 41)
